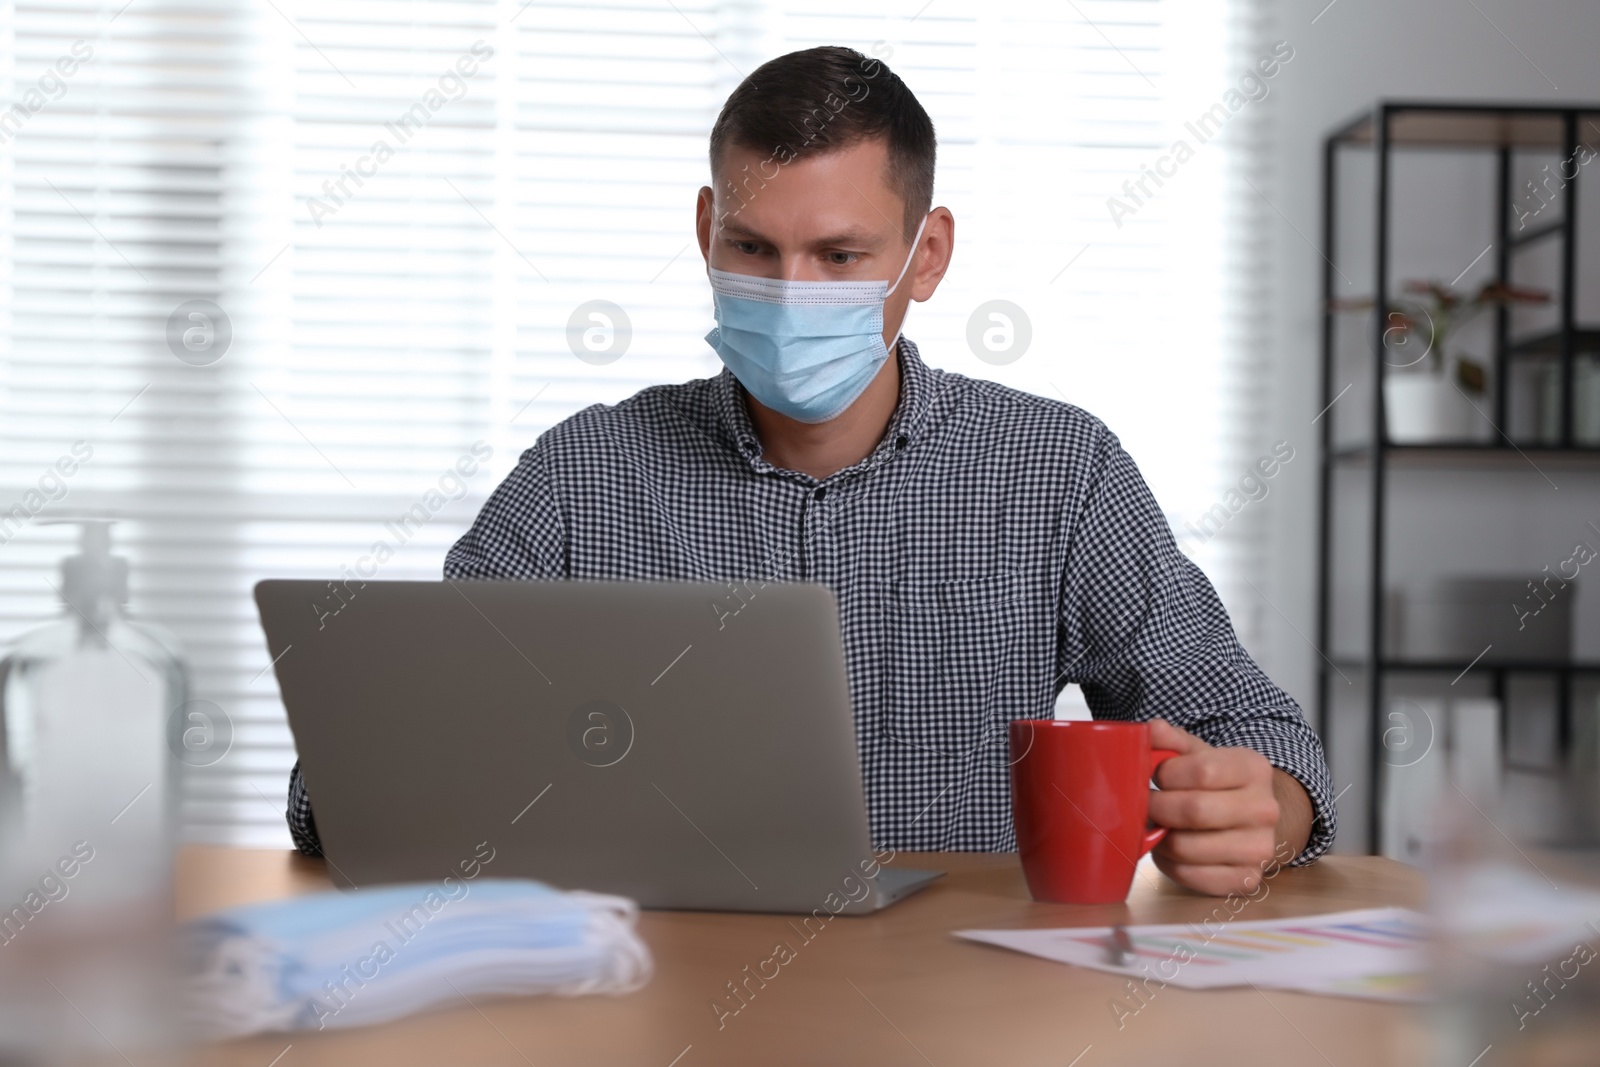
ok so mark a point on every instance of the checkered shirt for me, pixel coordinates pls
(993, 547)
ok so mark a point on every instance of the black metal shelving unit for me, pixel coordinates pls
(1387, 128)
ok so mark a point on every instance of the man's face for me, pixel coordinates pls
(827, 217)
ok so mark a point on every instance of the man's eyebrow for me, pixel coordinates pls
(728, 226)
(853, 237)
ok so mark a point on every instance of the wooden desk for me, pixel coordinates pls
(891, 988)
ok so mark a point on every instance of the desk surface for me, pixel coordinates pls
(890, 988)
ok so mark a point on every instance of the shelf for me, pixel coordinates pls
(1538, 233)
(1584, 339)
(1384, 476)
(1470, 453)
(1453, 667)
(1445, 125)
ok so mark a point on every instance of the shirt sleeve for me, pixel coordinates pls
(1145, 635)
(302, 824)
(518, 534)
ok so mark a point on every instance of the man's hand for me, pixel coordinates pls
(1228, 812)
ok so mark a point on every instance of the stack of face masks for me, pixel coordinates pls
(342, 959)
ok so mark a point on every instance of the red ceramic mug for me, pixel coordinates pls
(1080, 797)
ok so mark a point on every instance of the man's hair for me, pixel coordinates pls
(822, 99)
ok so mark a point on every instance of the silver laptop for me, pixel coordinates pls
(687, 745)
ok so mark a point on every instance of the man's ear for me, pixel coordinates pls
(938, 245)
(704, 205)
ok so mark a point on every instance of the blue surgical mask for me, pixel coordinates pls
(804, 349)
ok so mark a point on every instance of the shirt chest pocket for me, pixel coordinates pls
(947, 647)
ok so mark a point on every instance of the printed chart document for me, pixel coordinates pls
(1504, 914)
(1379, 953)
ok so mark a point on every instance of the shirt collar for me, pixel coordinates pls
(918, 386)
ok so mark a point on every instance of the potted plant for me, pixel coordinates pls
(1430, 395)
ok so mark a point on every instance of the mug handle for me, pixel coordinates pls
(1152, 838)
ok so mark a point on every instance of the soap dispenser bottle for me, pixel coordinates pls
(88, 787)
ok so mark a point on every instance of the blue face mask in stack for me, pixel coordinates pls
(334, 960)
(804, 349)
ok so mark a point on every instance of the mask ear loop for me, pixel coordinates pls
(901, 276)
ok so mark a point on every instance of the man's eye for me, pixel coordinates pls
(749, 248)
(841, 259)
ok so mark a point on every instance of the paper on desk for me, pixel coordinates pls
(1378, 953)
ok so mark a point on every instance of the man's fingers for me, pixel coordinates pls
(1221, 808)
(1211, 879)
(1250, 847)
(1165, 735)
(1215, 768)
(1213, 809)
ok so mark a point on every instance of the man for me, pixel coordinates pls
(986, 546)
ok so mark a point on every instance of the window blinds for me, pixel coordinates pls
(304, 278)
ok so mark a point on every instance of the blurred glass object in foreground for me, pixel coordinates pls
(87, 799)
(1517, 901)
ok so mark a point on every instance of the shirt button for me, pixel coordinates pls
(820, 492)
(901, 441)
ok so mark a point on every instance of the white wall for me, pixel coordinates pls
(1356, 52)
